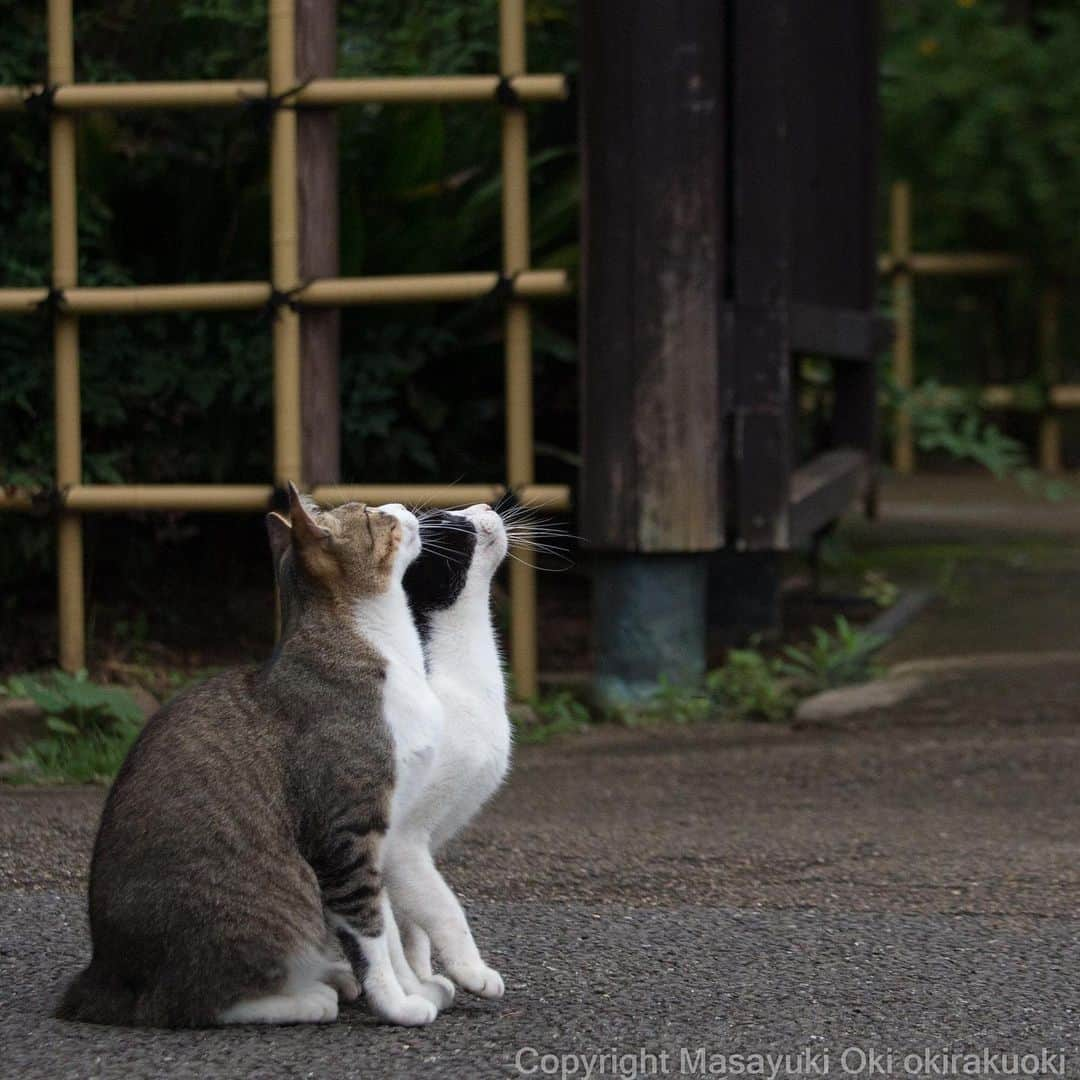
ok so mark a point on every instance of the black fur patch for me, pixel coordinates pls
(435, 580)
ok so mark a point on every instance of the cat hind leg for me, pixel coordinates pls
(308, 996)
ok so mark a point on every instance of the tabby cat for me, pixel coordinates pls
(246, 827)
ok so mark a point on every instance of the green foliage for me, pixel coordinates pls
(560, 713)
(91, 728)
(749, 686)
(880, 588)
(952, 422)
(675, 703)
(842, 658)
(982, 114)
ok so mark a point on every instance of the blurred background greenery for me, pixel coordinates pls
(980, 112)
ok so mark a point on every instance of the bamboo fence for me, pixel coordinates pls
(512, 88)
(902, 266)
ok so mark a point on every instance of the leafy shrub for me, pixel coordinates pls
(749, 687)
(91, 728)
(831, 660)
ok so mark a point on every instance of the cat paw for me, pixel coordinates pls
(411, 1011)
(438, 990)
(483, 981)
(322, 1004)
(341, 979)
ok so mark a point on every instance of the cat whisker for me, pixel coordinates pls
(540, 569)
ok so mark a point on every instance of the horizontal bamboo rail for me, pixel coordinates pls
(318, 93)
(901, 265)
(251, 498)
(323, 292)
(281, 94)
(951, 263)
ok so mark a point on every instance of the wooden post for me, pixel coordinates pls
(760, 255)
(833, 133)
(652, 94)
(317, 183)
(1050, 362)
(903, 303)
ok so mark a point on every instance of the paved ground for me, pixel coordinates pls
(911, 883)
(906, 881)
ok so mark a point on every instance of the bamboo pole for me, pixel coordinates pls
(419, 288)
(132, 498)
(285, 247)
(249, 295)
(250, 498)
(65, 258)
(948, 263)
(1050, 361)
(139, 299)
(326, 93)
(1065, 396)
(21, 301)
(903, 302)
(518, 347)
(447, 89)
(16, 499)
(549, 496)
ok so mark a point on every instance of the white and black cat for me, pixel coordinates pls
(449, 592)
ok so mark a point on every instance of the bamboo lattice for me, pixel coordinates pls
(65, 98)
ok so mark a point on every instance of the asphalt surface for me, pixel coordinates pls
(907, 883)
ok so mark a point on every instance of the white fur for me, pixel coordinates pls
(414, 717)
(309, 996)
(470, 762)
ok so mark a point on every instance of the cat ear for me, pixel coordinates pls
(305, 529)
(280, 532)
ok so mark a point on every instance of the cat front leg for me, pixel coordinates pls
(439, 991)
(357, 903)
(421, 895)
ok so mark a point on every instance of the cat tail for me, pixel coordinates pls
(95, 997)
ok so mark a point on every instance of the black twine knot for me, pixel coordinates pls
(504, 288)
(264, 106)
(41, 102)
(52, 302)
(46, 501)
(282, 298)
(506, 95)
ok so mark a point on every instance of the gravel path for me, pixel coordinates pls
(911, 882)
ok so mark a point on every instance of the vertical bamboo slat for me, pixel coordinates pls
(518, 345)
(1050, 361)
(285, 252)
(65, 259)
(903, 303)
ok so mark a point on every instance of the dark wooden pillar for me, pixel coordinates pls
(652, 97)
(317, 177)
